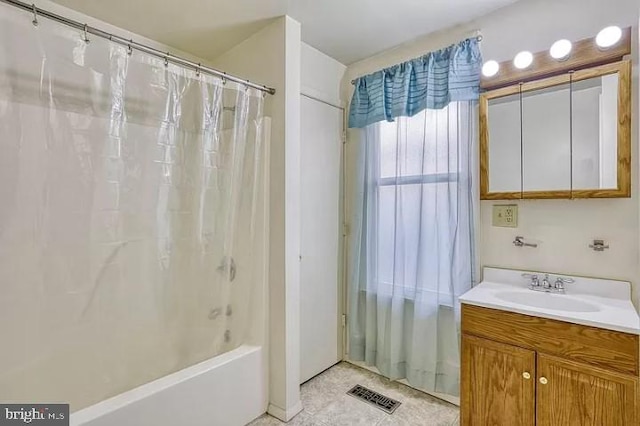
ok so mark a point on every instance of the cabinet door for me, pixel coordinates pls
(571, 393)
(498, 383)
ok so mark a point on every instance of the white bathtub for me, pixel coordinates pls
(228, 390)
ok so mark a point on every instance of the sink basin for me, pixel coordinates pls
(556, 302)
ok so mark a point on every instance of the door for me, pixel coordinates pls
(498, 384)
(571, 393)
(320, 165)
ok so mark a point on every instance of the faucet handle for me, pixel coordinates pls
(534, 279)
(561, 281)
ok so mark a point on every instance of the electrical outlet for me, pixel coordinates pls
(505, 216)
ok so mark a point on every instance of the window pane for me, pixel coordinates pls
(386, 233)
(420, 145)
(411, 228)
(388, 149)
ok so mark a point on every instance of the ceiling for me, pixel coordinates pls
(347, 30)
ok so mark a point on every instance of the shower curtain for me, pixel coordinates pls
(129, 211)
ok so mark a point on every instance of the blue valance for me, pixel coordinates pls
(431, 81)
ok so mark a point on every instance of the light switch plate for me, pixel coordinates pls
(505, 215)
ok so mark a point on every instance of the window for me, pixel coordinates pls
(416, 196)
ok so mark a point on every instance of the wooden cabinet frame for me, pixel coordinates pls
(623, 69)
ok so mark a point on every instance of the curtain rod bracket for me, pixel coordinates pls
(35, 15)
(84, 34)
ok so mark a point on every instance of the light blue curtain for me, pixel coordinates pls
(431, 81)
(412, 246)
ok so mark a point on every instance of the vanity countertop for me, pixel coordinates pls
(588, 301)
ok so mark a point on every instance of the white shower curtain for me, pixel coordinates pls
(411, 251)
(128, 214)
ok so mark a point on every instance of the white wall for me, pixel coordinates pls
(564, 228)
(321, 75)
(122, 32)
(272, 56)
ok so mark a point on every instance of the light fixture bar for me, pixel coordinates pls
(583, 54)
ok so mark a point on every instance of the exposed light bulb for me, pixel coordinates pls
(490, 68)
(561, 49)
(523, 60)
(608, 37)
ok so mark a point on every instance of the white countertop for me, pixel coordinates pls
(601, 303)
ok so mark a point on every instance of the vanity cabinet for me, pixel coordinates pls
(524, 370)
(494, 389)
(579, 394)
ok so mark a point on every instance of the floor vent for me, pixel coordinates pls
(380, 401)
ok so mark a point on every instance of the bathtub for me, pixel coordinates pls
(228, 390)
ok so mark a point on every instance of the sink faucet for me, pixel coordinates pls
(545, 282)
(545, 285)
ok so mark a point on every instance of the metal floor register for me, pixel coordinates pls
(374, 398)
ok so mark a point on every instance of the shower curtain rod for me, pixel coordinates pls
(168, 57)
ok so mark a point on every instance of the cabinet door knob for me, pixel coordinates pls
(543, 380)
(526, 375)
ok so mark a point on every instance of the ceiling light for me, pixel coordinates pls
(608, 37)
(490, 68)
(523, 60)
(560, 49)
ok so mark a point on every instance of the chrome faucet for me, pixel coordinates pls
(545, 282)
(545, 285)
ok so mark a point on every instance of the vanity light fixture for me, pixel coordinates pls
(490, 68)
(608, 37)
(523, 60)
(561, 49)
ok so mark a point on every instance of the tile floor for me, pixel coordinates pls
(326, 403)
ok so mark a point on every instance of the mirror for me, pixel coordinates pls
(506, 147)
(595, 132)
(566, 136)
(546, 139)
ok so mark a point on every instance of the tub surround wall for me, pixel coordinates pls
(563, 228)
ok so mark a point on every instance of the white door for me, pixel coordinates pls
(321, 148)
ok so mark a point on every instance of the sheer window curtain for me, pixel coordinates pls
(412, 246)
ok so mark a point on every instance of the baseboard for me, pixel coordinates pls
(282, 414)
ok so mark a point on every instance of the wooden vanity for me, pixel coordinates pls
(525, 370)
